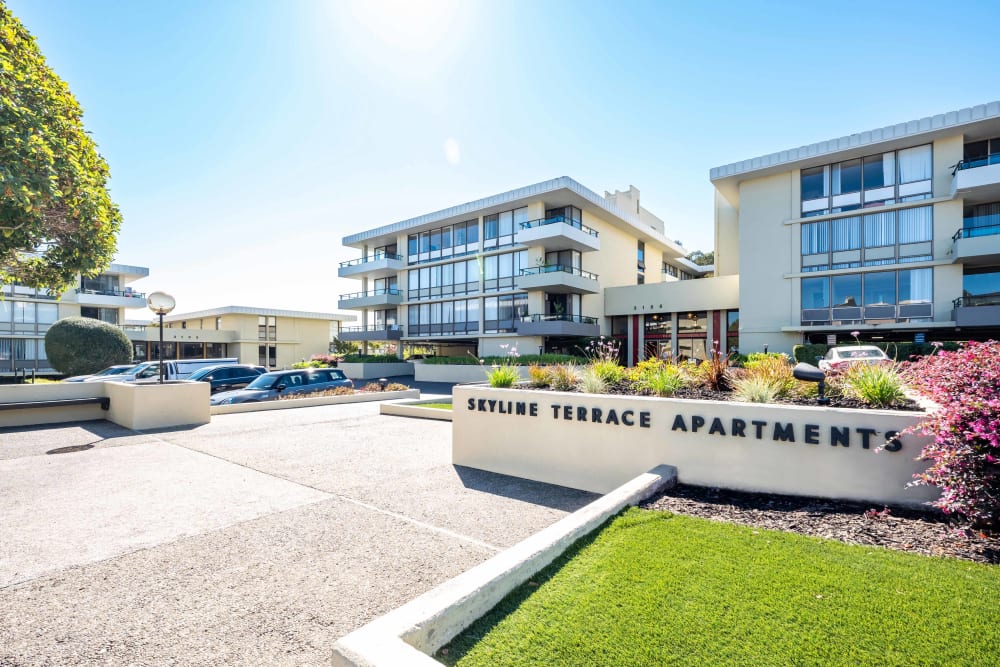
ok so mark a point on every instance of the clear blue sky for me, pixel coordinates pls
(247, 137)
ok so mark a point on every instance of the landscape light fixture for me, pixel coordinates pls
(382, 384)
(161, 303)
(809, 373)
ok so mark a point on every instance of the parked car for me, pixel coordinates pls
(838, 358)
(106, 373)
(228, 376)
(270, 386)
(173, 369)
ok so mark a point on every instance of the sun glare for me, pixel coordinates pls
(408, 25)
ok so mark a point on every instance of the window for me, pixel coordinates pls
(815, 293)
(846, 234)
(657, 324)
(886, 237)
(880, 288)
(981, 286)
(815, 238)
(880, 230)
(733, 331)
(874, 180)
(641, 255)
(915, 225)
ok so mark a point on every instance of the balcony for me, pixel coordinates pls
(111, 298)
(879, 313)
(558, 279)
(369, 333)
(982, 310)
(977, 180)
(380, 298)
(558, 325)
(558, 233)
(976, 244)
(379, 265)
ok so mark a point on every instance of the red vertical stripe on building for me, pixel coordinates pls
(635, 339)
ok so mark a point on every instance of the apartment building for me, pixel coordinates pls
(525, 268)
(263, 336)
(26, 314)
(893, 233)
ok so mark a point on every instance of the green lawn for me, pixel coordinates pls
(658, 589)
(438, 406)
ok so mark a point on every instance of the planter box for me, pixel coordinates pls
(455, 373)
(375, 371)
(415, 409)
(597, 442)
(316, 400)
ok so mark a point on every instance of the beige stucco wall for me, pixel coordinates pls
(598, 457)
(22, 393)
(718, 293)
(147, 406)
(727, 237)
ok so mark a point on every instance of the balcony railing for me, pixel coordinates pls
(128, 294)
(972, 301)
(373, 258)
(556, 268)
(972, 231)
(579, 319)
(372, 328)
(557, 219)
(903, 312)
(391, 291)
(993, 158)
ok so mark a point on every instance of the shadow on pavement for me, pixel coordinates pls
(538, 493)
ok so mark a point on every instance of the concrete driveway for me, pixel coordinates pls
(260, 538)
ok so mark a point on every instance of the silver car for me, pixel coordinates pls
(270, 386)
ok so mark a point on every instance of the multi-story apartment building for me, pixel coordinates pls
(893, 233)
(26, 314)
(526, 268)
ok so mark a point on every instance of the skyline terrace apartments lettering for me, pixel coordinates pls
(736, 427)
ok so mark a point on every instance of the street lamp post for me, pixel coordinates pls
(161, 303)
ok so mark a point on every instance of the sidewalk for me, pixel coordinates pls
(260, 538)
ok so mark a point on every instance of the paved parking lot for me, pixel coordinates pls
(260, 538)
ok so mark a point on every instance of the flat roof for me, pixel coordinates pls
(249, 310)
(923, 128)
(505, 199)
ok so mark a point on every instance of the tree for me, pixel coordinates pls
(83, 345)
(702, 258)
(56, 216)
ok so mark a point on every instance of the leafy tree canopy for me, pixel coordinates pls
(702, 258)
(56, 216)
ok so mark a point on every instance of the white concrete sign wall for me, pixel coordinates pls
(597, 442)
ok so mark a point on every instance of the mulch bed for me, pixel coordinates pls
(927, 533)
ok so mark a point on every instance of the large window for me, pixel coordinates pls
(443, 318)
(873, 239)
(733, 331)
(501, 312)
(875, 180)
(981, 220)
(450, 241)
(499, 228)
(878, 296)
(981, 286)
(432, 282)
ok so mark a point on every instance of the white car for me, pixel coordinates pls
(839, 358)
(106, 373)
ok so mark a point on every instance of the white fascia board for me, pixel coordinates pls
(511, 197)
(248, 310)
(820, 152)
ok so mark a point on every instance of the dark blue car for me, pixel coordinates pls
(270, 386)
(228, 376)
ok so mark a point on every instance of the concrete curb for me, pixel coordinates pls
(361, 397)
(414, 409)
(409, 635)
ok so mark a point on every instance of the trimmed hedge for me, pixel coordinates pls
(808, 353)
(521, 360)
(83, 345)
(372, 359)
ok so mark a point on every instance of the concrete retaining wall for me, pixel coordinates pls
(286, 404)
(375, 371)
(596, 442)
(415, 409)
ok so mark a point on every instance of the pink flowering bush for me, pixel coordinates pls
(965, 453)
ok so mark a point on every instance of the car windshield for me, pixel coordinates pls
(860, 354)
(264, 382)
(115, 370)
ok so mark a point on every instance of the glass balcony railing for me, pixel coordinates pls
(371, 328)
(974, 300)
(579, 319)
(557, 268)
(986, 160)
(977, 226)
(391, 291)
(373, 258)
(129, 294)
(557, 219)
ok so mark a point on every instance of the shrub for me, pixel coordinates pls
(592, 382)
(965, 453)
(471, 359)
(877, 385)
(808, 353)
(503, 373)
(658, 377)
(83, 345)
(371, 359)
(602, 355)
(774, 369)
(714, 373)
(538, 376)
(564, 377)
(396, 386)
(757, 389)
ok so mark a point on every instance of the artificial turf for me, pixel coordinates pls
(652, 588)
(438, 406)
